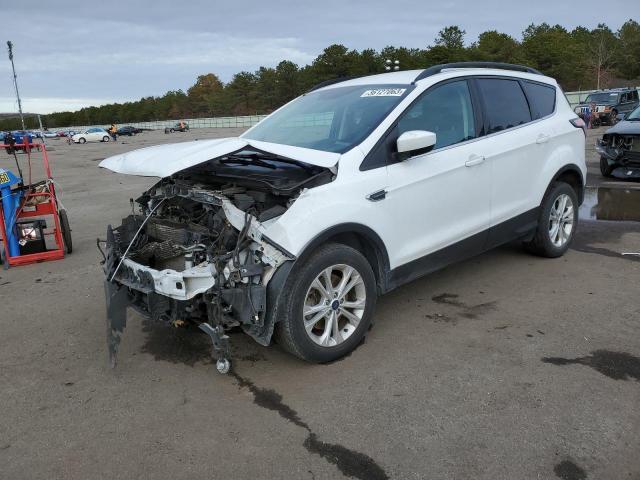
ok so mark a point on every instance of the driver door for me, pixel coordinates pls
(439, 201)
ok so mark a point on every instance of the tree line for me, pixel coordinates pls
(580, 59)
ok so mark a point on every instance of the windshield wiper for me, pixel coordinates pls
(247, 160)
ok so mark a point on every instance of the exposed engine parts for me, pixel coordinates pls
(622, 153)
(197, 252)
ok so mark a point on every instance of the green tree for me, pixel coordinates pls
(628, 57)
(206, 96)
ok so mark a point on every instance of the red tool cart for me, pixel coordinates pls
(30, 213)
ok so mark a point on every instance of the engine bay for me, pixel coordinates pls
(197, 252)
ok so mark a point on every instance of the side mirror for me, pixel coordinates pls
(415, 142)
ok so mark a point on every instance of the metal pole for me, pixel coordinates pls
(41, 130)
(15, 82)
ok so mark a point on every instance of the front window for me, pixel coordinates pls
(602, 98)
(634, 115)
(333, 120)
(445, 110)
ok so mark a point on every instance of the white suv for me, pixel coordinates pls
(341, 195)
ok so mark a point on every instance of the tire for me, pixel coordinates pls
(314, 344)
(65, 230)
(105, 139)
(547, 241)
(171, 130)
(613, 118)
(82, 140)
(605, 168)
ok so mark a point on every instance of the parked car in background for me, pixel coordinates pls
(619, 148)
(92, 135)
(16, 138)
(344, 194)
(66, 133)
(610, 104)
(128, 130)
(178, 127)
(49, 134)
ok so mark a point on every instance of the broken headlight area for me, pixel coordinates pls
(197, 252)
(622, 152)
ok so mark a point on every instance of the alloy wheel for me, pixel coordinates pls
(561, 220)
(334, 305)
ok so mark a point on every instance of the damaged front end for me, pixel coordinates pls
(197, 253)
(621, 152)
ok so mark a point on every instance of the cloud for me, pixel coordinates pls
(50, 104)
(127, 49)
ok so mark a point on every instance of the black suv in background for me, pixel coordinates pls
(611, 105)
(178, 127)
(129, 130)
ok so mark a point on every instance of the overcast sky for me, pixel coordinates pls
(75, 54)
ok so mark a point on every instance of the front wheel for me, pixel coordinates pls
(327, 305)
(557, 222)
(105, 139)
(82, 140)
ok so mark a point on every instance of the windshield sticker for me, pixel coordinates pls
(384, 92)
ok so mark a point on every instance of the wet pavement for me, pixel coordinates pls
(620, 204)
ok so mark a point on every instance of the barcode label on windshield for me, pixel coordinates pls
(384, 92)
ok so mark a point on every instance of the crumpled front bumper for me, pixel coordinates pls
(177, 285)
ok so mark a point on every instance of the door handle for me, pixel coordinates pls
(474, 160)
(542, 138)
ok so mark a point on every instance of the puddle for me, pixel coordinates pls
(615, 365)
(611, 204)
(567, 470)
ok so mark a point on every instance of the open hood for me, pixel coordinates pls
(165, 160)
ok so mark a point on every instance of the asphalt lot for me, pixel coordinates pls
(506, 366)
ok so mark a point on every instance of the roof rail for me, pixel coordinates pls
(427, 72)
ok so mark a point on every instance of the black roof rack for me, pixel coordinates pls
(427, 72)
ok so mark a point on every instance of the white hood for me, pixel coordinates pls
(165, 160)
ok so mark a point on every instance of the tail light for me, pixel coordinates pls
(579, 123)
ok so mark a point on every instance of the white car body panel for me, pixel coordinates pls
(433, 200)
(165, 160)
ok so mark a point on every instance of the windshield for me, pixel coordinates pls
(634, 115)
(333, 120)
(602, 98)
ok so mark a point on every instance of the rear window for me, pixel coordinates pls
(542, 99)
(505, 103)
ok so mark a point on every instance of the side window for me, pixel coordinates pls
(542, 99)
(623, 98)
(445, 110)
(504, 102)
(634, 95)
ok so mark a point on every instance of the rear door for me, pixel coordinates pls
(519, 147)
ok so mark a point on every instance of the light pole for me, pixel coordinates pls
(15, 82)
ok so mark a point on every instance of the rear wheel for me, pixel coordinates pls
(557, 222)
(327, 305)
(605, 168)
